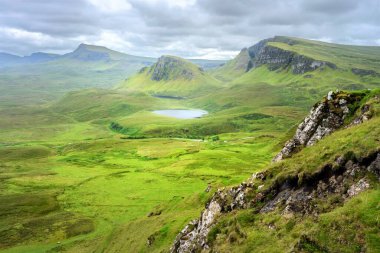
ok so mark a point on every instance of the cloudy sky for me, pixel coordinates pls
(215, 29)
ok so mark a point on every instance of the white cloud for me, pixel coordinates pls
(19, 34)
(171, 3)
(113, 40)
(111, 6)
(215, 54)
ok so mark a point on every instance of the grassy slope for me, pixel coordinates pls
(233, 68)
(344, 56)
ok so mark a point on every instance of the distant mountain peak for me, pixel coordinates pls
(85, 47)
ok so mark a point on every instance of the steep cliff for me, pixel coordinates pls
(292, 192)
(266, 52)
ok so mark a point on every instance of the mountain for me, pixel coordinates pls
(172, 76)
(43, 77)
(302, 60)
(8, 60)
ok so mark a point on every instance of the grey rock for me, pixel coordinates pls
(365, 115)
(276, 58)
(357, 188)
(325, 117)
(170, 67)
(374, 167)
(364, 72)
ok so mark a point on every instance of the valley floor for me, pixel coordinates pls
(81, 187)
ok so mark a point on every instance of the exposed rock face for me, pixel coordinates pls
(290, 197)
(242, 60)
(276, 58)
(299, 199)
(325, 117)
(365, 114)
(171, 67)
(194, 236)
(364, 72)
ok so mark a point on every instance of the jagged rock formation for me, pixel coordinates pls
(325, 117)
(277, 58)
(194, 236)
(295, 198)
(170, 67)
(291, 196)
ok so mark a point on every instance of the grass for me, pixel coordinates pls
(114, 184)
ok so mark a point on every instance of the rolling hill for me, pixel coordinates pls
(172, 76)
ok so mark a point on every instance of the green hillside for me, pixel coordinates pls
(172, 76)
(349, 65)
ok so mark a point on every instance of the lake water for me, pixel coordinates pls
(182, 114)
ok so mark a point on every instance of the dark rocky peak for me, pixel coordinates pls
(172, 68)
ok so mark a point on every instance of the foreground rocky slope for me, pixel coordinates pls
(296, 193)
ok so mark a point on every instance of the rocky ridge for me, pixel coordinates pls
(324, 118)
(345, 178)
(276, 58)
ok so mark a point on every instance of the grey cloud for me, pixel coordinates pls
(158, 27)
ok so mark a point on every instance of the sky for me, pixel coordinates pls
(208, 29)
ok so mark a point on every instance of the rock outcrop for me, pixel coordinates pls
(277, 58)
(170, 67)
(293, 196)
(194, 236)
(364, 72)
(325, 117)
